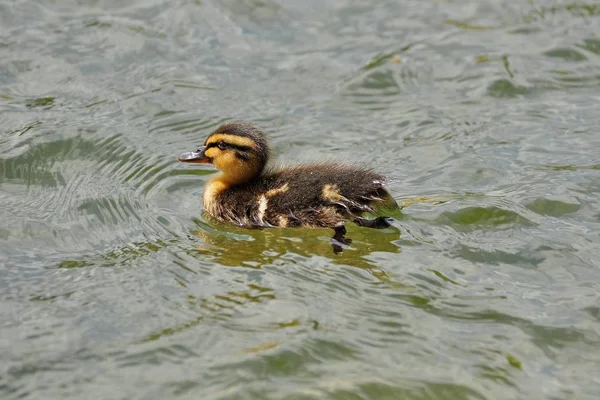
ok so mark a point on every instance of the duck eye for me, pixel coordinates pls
(221, 145)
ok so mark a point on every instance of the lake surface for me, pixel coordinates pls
(484, 114)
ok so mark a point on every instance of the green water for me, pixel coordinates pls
(484, 114)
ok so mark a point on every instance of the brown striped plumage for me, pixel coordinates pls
(319, 195)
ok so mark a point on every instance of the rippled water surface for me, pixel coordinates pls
(485, 115)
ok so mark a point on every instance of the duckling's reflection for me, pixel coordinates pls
(232, 246)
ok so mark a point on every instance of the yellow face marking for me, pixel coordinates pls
(331, 193)
(235, 171)
(212, 152)
(280, 190)
(232, 139)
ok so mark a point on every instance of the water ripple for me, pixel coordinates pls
(114, 282)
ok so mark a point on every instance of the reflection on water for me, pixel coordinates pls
(254, 248)
(115, 284)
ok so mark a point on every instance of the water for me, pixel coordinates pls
(114, 285)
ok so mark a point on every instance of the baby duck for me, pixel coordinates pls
(320, 195)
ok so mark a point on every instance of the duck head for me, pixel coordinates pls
(238, 149)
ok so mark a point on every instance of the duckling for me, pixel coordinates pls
(249, 194)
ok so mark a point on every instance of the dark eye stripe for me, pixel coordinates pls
(228, 145)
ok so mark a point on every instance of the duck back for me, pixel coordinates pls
(308, 195)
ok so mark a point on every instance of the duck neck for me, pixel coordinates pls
(212, 190)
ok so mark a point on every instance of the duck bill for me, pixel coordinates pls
(196, 157)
